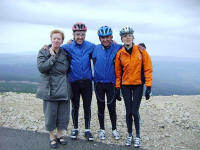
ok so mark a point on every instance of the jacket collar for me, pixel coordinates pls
(134, 47)
(111, 45)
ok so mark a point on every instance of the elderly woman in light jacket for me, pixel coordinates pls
(54, 87)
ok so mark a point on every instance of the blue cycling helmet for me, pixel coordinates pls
(104, 31)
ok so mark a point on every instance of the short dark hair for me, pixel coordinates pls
(142, 44)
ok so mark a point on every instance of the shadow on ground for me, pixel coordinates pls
(13, 139)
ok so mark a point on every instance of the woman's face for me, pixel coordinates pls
(127, 39)
(56, 40)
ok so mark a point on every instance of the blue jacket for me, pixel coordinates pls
(104, 68)
(80, 67)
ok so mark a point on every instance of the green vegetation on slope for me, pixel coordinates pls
(18, 87)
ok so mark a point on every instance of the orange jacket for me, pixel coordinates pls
(131, 66)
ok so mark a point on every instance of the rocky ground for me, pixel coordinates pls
(167, 122)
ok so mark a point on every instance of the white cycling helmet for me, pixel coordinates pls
(126, 30)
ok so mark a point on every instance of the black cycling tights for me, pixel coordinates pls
(109, 89)
(83, 88)
(132, 95)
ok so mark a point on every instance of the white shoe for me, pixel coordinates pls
(137, 142)
(116, 134)
(129, 140)
(102, 134)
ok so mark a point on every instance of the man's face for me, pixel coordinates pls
(79, 36)
(127, 39)
(106, 40)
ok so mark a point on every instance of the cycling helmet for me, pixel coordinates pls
(126, 30)
(79, 27)
(104, 31)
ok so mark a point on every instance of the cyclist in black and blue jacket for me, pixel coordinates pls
(80, 77)
(104, 78)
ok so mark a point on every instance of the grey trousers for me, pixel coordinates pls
(56, 114)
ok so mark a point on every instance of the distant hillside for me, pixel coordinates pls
(176, 77)
(19, 67)
(18, 86)
(171, 75)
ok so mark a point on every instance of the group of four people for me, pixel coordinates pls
(66, 74)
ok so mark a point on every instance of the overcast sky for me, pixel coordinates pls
(168, 28)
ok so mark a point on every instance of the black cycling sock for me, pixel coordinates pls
(138, 135)
(130, 134)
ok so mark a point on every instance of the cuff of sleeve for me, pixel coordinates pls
(117, 86)
(148, 84)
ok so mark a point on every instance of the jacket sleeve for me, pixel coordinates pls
(45, 62)
(118, 70)
(148, 68)
(94, 54)
(92, 47)
(66, 47)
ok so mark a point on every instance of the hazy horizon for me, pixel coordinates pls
(34, 53)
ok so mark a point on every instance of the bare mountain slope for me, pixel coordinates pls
(167, 122)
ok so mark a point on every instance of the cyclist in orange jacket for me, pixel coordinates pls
(133, 69)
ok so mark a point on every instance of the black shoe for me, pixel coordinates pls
(88, 136)
(53, 145)
(62, 141)
(74, 134)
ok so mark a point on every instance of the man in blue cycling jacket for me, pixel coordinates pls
(104, 79)
(80, 51)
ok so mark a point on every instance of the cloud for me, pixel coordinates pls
(172, 17)
(113, 12)
(155, 22)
